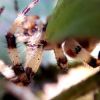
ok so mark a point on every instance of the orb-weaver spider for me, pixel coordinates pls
(31, 31)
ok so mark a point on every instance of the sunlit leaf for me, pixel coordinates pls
(74, 18)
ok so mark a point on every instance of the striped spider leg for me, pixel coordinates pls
(13, 53)
(75, 50)
(78, 49)
(59, 55)
(90, 44)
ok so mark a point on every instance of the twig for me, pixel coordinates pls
(80, 89)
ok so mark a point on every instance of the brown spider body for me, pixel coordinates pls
(35, 45)
(25, 29)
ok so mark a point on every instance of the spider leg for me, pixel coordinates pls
(59, 54)
(17, 66)
(33, 53)
(75, 50)
(91, 45)
(12, 49)
(88, 43)
(33, 59)
(60, 57)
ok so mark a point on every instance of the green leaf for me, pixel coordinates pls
(74, 18)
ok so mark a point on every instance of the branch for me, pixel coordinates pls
(80, 89)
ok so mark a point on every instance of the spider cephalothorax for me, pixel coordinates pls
(31, 31)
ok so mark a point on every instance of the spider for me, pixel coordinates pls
(31, 31)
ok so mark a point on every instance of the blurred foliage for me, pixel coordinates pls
(74, 18)
(2, 87)
(97, 95)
